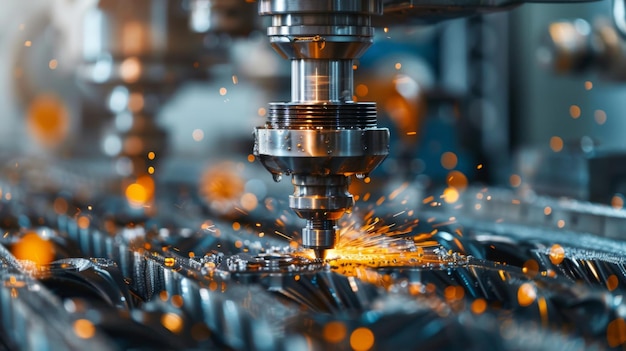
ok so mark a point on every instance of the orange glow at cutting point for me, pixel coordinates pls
(362, 339)
(515, 180)
(34, 248)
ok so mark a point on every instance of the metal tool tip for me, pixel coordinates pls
(320, 254)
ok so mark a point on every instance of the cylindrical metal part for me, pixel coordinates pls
(321, 200)
(315, 237)
(321, 80)
(315, 195)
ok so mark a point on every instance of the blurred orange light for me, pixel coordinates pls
(361, 90)
(574, 111)
(47, 119)
(34, 248)
(130, 70)
(334, 332)
(616, 332)
(530, 268)
(60, 205)
(557, 254)
(362, 339)
(84, 329)
(83, 222)
(449, 160)
(479, 306)
(526, 294)
(450, 195)
(135, 102)
(136, 195)
(556, 144)
(612, 282)
(177, 301)
(515, 180)
(600, 117)
(456, 179)
(172, 322)
(453, 293)
(617, 201)
(249, 201)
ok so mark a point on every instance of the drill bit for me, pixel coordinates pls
(320, 254)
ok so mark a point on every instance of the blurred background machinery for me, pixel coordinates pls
(136, 215)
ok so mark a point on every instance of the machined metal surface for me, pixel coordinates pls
(504, 288)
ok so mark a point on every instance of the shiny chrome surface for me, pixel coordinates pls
(316, 80)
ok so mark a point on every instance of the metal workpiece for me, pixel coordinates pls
(88, 277)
